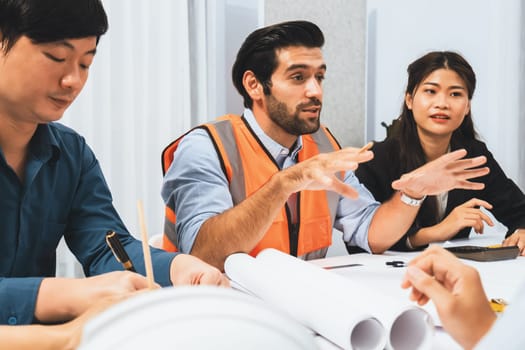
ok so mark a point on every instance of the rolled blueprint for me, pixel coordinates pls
(308, 299)
(348, 313)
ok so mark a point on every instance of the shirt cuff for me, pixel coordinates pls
(162, 266)
(18, 300)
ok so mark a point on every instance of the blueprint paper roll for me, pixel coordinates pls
(408, 327)
(405, 326)
(309, 300)
(411, 329)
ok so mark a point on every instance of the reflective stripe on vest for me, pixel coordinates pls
(239, 150)
(170, 238)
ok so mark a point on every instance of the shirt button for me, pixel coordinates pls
(12, 320)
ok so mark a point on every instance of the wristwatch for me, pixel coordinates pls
(413, 202)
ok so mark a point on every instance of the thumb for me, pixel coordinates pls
(398, 184)
(427, 285)
(402, 183)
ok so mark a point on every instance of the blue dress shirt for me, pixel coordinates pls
(199, 189)
(64, 194)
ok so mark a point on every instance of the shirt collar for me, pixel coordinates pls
(44, 144)
(274, 148)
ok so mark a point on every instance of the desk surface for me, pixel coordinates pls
(499, 278)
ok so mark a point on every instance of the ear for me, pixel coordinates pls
(408, 101)
(468, 108)
(252, 85)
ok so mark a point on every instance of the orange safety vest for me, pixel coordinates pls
(248, 166)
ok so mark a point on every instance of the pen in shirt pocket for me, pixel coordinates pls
(118, 250)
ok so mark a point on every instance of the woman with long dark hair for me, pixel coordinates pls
(435, 119)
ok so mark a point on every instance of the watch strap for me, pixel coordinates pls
(413, 202)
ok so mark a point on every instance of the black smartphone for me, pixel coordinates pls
(484, 253)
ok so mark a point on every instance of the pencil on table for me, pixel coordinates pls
(145, 247)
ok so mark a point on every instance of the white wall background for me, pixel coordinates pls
(521, 115)
(486, 32)
(343, 24)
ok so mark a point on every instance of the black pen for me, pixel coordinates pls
(119, 251)
(396, 263)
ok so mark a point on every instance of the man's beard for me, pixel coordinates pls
(291, 123)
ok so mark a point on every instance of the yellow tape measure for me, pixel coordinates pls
(498, 304)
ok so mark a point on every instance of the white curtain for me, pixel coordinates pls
(162, 68)
(136, 101)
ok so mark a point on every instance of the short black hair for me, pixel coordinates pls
(258, 52)
(50, 20)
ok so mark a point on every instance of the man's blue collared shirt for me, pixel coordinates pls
(64, 194)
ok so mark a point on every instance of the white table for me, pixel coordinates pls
(500, 278)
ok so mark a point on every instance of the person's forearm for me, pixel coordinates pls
(390, 222)
(56, 300)
(427, 235)
(240, 228)
(36, 337)
(62, 299)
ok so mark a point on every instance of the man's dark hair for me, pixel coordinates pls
(50, 20)
(258, 52)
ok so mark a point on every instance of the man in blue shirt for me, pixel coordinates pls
(51, 184)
